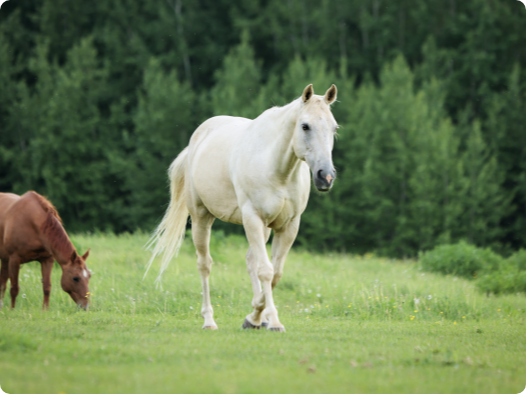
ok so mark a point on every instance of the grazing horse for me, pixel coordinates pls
(254, 173)
(31, 230)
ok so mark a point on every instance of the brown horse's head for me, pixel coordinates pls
(75, 279)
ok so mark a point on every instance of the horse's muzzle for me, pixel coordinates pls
(324, 179)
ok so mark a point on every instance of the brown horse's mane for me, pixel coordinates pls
(46, 205)
(54, 231)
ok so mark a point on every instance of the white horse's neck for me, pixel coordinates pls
(276, 127)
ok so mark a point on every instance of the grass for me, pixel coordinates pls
(356, 324)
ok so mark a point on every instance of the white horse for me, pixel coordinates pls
(254, 173)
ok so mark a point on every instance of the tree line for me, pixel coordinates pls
(97, 99)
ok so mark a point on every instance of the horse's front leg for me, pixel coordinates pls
(201, 226)
(14, 268)
(4, 275)
(47, 266)
(252, 268)
(255, 229)
(281, 244)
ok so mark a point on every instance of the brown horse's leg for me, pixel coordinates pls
(14, 268)
(47, 266)
(4, 275)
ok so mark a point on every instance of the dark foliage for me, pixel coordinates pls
(97, 98)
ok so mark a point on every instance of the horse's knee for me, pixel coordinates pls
(14, 290)
(265, 273)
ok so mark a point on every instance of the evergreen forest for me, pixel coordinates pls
(97, 98)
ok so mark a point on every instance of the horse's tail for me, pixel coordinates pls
(169, 235)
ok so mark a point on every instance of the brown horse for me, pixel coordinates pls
(31, 230)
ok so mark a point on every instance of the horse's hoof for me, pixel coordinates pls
(264, 324)
(247, 324)
(277, 329)
(209, 327)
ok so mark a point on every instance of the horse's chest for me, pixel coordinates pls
(36, 254)
(284, 216)
(283, 210)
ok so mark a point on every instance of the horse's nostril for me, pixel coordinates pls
(320, 174)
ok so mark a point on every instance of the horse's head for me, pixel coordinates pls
(75, 279)
(314, 135)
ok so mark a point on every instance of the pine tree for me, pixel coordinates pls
(164, 121)
(237, 88)
(506, 132)
(8, 95)
(485, 201)
(70, 150)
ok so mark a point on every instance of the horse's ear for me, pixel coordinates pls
(330, 95)
(307, 93)
(73, 256)
(86, 255)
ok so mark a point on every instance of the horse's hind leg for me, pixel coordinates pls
(201, 227)
(4, 275)
(47, 266)
(14, 268)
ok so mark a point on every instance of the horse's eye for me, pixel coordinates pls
(76, 278)
(305, 126)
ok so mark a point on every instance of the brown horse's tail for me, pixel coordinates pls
(169, 235)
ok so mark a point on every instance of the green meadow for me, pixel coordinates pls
(355, 324)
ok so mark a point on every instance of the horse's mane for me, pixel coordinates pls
(47, 206)
(53, 230)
